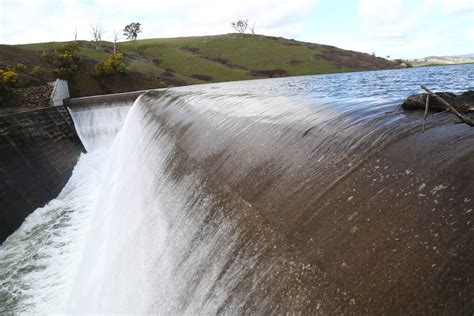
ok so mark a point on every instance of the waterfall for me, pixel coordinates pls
(98, 124)
(179, 227)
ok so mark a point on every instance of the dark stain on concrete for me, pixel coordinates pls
(38, 152)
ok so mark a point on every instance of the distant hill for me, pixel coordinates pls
(443, 60)
(190, 60)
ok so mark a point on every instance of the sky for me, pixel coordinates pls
(395, 28)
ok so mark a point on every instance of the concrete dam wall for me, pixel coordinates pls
(39, 150)
(310, 195)
(248, 207)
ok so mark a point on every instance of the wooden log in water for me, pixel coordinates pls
(427, 104)
(463, 118)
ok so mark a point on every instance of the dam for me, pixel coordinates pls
(312, 195)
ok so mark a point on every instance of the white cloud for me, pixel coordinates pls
(405, 27)
(24, 21)
(454, 6)
(389, 18)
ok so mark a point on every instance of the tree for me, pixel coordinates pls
(75, 34)
(97, 35)
(240, 26)
(252, 28)
(115, 41)
(131, 31)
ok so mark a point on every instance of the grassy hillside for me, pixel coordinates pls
(442, 60)
(153, 63)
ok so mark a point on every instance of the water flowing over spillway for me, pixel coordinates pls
(98, 124)
(270, 196)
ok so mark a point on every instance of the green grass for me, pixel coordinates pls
(219, 58)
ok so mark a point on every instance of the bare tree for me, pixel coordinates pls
(131, 32)
(97, 33)
(240, 26)
(75, 34)
(115, 41)
(252, 28)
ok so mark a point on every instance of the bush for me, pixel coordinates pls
(65, 59)
(110, 66)
(21, 68)
(48, 56)
(64, 72)
(402, 63)
(8, 77)
(36, 70)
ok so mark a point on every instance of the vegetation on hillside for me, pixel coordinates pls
(96, 67)
(8, 79)
(110, 66)
(403, 63)
(65, 58)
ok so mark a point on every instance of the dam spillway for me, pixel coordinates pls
(286, 195)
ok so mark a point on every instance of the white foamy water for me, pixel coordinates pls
(98, 124)
(38, 262)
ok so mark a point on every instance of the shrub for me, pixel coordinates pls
(21, 68)
(48, 56)
(63, 72)
(110, 66)
(398, 61)
(402, 63)
(65, 59)
(36, 70)
(9, 77)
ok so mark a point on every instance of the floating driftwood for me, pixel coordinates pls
(427, 105)
(463, 118)
(442, 101)
(462, 103)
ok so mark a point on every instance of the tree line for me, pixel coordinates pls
(132, 30)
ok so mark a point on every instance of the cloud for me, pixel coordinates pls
(47, 20)
(389, 19)
(454, 7)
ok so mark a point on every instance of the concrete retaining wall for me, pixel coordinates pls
(38, 152)
(60, 92)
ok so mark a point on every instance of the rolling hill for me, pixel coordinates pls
(443, 60)
(153, 63)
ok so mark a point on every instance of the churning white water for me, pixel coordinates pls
(147, 248)
(38, 262)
